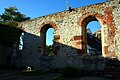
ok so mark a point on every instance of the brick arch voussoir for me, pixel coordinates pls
(50, 23)
(99, 17)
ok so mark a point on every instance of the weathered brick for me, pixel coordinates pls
(77, 37)
(57, 37)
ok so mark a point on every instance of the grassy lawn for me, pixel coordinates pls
(63, 78)
(28, 73)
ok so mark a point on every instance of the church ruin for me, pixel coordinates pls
(70, 41)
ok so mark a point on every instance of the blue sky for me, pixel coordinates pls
(37, 8)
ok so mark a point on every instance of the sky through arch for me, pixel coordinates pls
(94, 26)
(49, 36)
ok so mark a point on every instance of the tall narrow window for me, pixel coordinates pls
(47, 38)
(21, 41)
(94, 46)
(49, 42)
(91, 31)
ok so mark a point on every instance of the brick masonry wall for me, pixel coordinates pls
(69, 34)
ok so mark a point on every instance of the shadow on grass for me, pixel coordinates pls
(63, 78)
(29, 73)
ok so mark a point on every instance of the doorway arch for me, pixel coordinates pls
(43, 31)
(83, 22)
(94, 42)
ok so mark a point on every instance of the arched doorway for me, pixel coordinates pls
(86, 38)
(94, 41)
(47, 49)
(49, 42)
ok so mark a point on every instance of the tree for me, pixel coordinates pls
(99, 36)
(49, 50)
(12, 16)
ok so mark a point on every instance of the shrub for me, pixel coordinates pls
(69, 71)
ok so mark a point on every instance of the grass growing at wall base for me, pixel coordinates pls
(29, 73)
(69, 71)
(63, 78)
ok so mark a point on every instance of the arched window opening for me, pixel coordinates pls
(49, 41)
(90, 28)
(94, 44)
(47, 38)
(21, 41)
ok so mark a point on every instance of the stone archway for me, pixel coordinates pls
(84, 20)
(43, 29)
(50, 23)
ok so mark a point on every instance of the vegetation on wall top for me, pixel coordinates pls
(9, 33)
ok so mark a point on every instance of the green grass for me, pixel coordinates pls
(69, 71)
(63, 78)
(28, 73)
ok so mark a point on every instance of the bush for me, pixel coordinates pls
(69, 71)
(29, 73)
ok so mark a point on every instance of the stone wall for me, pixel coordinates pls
(6, 53)
(116, 14)
(70, 40)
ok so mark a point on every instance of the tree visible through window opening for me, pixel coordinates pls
(49, 42)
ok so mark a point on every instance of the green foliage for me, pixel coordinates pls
(29, 73)
(11, 16)
(11, 23)
(99, 36)
(69, 71)
(49, 50)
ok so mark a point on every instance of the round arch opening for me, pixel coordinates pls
(91, 42)
(47, 49)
